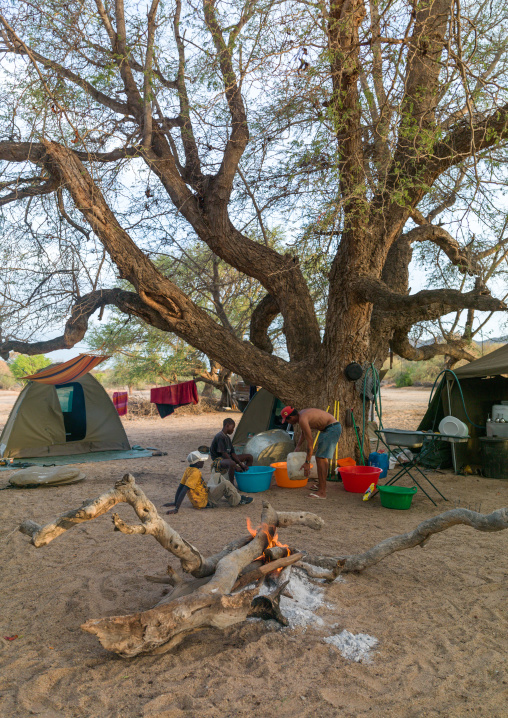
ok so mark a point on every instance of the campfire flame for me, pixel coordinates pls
(273, 540)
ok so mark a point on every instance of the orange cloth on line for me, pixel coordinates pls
(198, 492)
(121, 400)
(67, 371)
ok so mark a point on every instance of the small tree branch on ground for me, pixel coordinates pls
(495, 521)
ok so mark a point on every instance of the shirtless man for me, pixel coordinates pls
(330, 430)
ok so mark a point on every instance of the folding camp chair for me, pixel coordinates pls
(422, 442)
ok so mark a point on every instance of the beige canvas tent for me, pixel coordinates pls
(58, 420)
(484, 382)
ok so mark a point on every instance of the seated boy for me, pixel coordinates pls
(201, 496)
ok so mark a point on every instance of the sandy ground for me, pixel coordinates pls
(439, 612)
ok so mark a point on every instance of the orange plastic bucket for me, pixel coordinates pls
(282, 478)
(348, 461)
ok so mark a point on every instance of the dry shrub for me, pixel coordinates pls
(140, 407)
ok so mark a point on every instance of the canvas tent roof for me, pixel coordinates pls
(491, 364)
(74, 418)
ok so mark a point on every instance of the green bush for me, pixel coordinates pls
(405, 378)
(24, 365)
(7, 381)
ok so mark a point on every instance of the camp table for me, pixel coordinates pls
(425, 441)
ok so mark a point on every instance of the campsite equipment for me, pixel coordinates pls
(261, 414)
(497, 428)
(269, 446)
(58, 420)
(282, 479)
(347, 461)
(396, 497)
(494, 452)
(40, 476)
(369, 492)
(255, 479)
(403, 437)
(451, 426)
(357, 479)
(380, 459)
(426, 444)
(295, 460)
(68, 371)
(353, 371)
(500, 411)
(498, 425)
(469, 393)
(404, 456)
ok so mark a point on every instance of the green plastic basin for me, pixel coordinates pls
(396, 497)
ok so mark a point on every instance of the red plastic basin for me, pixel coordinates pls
(357, 479)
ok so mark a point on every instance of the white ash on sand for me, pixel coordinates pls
(354, 647)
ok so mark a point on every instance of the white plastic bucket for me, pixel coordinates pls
(295, 460)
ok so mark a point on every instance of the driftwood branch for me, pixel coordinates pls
(495, 521)
(125, 491)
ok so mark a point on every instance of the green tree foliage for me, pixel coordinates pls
(24, 365)
(142, 354)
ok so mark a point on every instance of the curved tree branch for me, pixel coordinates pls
(20, 48)
(262, 316)
(77, 324)
(401, 345)
(30, 191)
(239, 136)
(427, 304)
(495, 521)
(36, 151)
(459, 256)
(465, 140)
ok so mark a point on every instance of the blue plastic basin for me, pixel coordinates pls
(255, 479)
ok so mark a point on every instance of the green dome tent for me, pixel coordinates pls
(77, 417)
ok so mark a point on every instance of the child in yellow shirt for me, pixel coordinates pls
(201, 496)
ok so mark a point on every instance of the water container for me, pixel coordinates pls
(373, 459)
(381, 460)
(295, 460)
(384, 461)
(269, 446)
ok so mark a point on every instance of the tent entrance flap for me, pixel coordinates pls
(72, 403)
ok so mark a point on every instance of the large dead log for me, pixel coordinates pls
(207, 600)
(495, 521)
(125, 491)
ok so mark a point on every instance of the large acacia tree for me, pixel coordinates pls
(127, 128)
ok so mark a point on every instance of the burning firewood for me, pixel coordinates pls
(209, 598)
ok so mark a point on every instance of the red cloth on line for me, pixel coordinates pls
(176, 394)
(120, 400)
